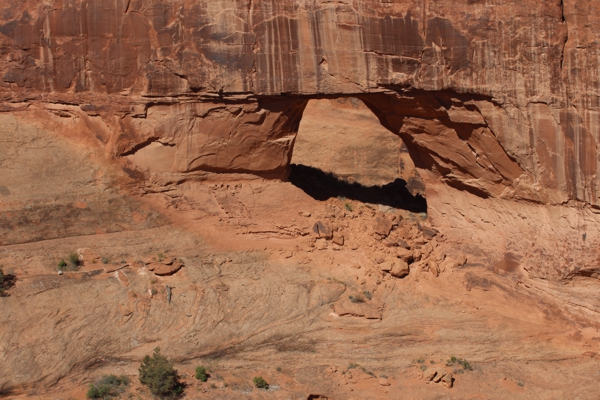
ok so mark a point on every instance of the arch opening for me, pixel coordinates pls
(342, 150)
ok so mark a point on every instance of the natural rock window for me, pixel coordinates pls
(343, 150)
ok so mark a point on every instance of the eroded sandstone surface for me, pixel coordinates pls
(134, 130)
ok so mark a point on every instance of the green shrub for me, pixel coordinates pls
(62, 265)
(356, 299)
(158, 374)
(74, 262)
(260, 383)
(6, 281)
(105, 260)
(462, 362)
(201, 374)
(368, 294)
(107, 387)
(348, 207)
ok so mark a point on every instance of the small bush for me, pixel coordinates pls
(352, 366)
(74, 262)
(201, 374)
(158, 374)
(105, 260)
(462, 362)
(6, 281)
(107, 387)
(348, 207)
(356, 299)
(368, 294)
(62, 265)
(260, 383)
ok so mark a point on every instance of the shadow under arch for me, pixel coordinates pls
(322, 185)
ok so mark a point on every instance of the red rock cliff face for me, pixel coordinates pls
(500, 98)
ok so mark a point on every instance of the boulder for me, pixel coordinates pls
(386, 266)
(404, 254)
(338, 238)
(165, 268)
(402, 243)
(430, 375)
(400, 269)
(383, 226)
(321, 244)
(448, 381)
(322, 230)
(396, 267)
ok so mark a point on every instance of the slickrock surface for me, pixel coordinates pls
(134, 133)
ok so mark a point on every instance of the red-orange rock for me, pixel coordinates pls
(471, 116)
(168, 267)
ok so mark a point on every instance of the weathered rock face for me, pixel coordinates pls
(496, 101)
(501, 100)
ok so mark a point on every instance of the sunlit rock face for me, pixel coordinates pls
(140, 118)
(499, 99)
(493, 100)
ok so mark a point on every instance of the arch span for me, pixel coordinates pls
(451, 138)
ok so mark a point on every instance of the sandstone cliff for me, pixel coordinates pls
(132, 127)
(510, 87)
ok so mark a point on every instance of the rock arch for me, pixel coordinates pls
(447, 134)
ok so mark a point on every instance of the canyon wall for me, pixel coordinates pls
(493, 99)
(500, 98)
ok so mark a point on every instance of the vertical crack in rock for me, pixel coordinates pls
(566, 37)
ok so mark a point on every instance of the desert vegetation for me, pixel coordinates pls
(108, 387)
(73, 264)
(158, 374)
(6, 281)
(260, 383)
(201, 373)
